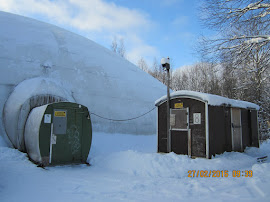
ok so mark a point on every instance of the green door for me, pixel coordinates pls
(68, 144)
(65, 134)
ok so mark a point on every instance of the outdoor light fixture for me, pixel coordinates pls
(165, 62)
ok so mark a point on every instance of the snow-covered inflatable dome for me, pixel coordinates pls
(42, 63)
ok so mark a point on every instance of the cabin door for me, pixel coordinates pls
(67, 129)
(236, 129)
(179, 121)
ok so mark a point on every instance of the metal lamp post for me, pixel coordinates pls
(165, 62)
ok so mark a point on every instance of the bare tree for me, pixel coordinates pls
(118, 46)
(201, 77)
(142, 64)
(157, 71)
(180, 81)
(229, 81)
(114, 45)
(121, 48)
(242, 26)
(223, 15)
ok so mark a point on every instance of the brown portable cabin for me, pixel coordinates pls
(202, 125)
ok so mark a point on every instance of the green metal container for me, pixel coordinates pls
(58, 133)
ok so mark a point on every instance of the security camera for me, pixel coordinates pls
(165, 62)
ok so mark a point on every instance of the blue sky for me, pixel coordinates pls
(150, 28)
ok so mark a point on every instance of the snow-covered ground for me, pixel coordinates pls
(127, 168)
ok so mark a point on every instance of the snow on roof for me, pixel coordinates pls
(214, 100)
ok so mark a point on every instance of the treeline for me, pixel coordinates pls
(236, 62)
(247, 81)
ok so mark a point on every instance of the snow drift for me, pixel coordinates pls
(39, 60)
(127, 168)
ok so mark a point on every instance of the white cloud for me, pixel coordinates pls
(91, 17)
(95, 15)
(137, 49)
(99, 15)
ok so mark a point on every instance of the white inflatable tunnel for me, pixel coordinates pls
(26, 96)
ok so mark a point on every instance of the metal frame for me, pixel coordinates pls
(188, 130)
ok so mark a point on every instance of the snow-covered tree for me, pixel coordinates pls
(232, 15)
(242, 25)
(242, 47)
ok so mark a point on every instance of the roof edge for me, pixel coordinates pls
(212, 100)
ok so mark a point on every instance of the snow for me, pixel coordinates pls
(258, 40)
(38, 58)
(68, 65)
(214, 100)
(165, 61)
(127, 168)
